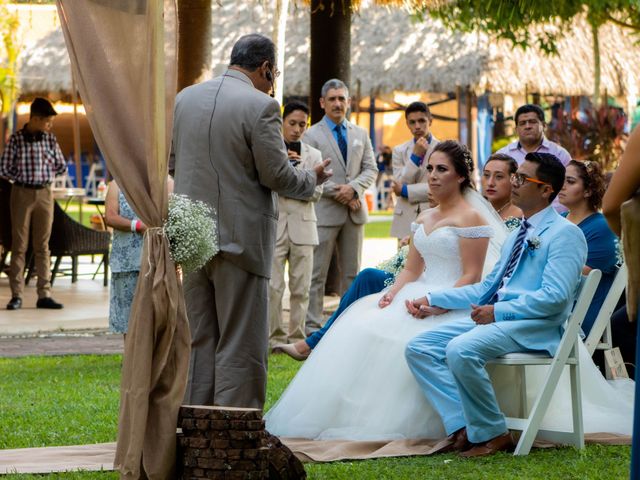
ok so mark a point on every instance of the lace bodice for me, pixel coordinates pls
(441, 249)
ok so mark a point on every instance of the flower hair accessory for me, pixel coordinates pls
(588, 166)
(533, 244)
(468, 160)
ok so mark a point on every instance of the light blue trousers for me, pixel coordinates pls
(449, 365)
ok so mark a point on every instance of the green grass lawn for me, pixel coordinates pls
(377, 230)
(68, 400)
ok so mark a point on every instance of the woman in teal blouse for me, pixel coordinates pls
(582, 194)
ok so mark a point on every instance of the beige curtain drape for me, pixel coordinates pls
(127, 94)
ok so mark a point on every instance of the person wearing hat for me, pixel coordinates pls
(31, 160)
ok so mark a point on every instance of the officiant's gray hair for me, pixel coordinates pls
(251, 51)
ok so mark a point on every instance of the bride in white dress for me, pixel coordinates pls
(356, 384)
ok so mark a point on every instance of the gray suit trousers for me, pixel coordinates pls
(227, 310)
(348, 238)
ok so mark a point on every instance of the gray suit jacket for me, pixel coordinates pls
(299, 216)
(405, 171)
(229, 152)
(360, 171)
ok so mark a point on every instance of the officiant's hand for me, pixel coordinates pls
(323, 172)
(482, 314)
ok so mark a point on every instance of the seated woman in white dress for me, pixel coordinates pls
(356, 384)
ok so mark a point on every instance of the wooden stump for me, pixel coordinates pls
(228, 443)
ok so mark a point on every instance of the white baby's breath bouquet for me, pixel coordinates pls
(192, 233)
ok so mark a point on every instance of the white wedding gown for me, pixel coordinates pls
(356, 384)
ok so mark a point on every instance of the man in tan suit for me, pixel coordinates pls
(296, 237)
(341, 211)
(409, 162)
(229, 152)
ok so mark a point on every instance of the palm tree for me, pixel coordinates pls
(194, 41)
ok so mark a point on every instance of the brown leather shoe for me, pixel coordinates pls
(501, 443)
(456, 442)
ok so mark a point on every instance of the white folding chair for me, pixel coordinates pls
(567, 354)
(599, 337)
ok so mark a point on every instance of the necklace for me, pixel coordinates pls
(503, 207)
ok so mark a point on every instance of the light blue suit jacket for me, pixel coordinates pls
(540, 293)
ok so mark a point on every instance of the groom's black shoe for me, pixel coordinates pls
(456, 442)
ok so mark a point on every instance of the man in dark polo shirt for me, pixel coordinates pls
(31, 160)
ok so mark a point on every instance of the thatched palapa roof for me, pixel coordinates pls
(391, 51)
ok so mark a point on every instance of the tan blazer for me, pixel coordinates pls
(405, 171)
(360, 171)
(299, 216)
(233, 158)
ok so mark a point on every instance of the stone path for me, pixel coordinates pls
(98, 342)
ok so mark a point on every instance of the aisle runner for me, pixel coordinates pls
(58, 459)
(100, 456)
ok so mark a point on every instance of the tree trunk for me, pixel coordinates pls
(596, 64)
(330, 48)
(278, 37)
(194, 41)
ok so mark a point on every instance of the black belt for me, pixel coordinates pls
(32, 187)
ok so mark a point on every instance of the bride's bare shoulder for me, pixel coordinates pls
(470, 217)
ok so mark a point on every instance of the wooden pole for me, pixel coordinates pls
(156, 15)
(278, 37)
(76, 132)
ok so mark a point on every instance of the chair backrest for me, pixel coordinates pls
(602, 324)
(5, 214)
(586, 291)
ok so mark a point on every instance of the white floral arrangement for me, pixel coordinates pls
(533, 244)
(192, 232)
(394, 265)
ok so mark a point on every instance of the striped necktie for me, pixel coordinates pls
(342, 142)
(513, 258)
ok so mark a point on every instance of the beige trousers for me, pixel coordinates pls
(227, 311)
(300, 259)
(348, 239)
(31, 211)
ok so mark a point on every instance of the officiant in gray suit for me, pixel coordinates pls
(230, 154)
(342, 210)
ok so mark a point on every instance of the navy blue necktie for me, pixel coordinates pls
(342, 142)
(513, 259)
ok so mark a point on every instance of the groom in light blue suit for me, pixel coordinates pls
(519, 307)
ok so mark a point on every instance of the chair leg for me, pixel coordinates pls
(30, 265)
(576, 406)
(540, 406)
(524, 403)
(105, 259)
(56, 265)
(74, 269)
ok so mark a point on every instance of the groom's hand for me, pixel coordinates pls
(482, 314)
(418, 308)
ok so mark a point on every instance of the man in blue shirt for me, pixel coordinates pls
(341, 211)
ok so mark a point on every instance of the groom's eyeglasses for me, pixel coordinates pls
(518, 180)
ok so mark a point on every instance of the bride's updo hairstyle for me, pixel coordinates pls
(460, 156)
